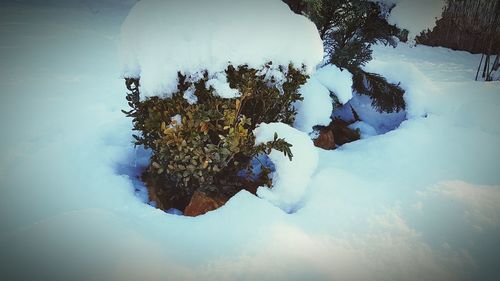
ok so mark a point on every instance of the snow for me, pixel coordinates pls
(418, 87)
(337, 81)
(189, 95)
(415, 16)
(420, 202)
(364, 128)
(317, 105)
(315, 108)
(483, 201)
(157, 41)
(175, 120)
(291, 178)
(381, 122)
(221, 86)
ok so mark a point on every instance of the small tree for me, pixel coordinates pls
(349, 29)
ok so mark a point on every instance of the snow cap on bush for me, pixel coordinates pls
(161, 38)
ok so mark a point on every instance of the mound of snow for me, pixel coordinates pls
(337, 81)
(418, 87)
(291, 178)
(315, 108)
(158, 40)
(415, 16)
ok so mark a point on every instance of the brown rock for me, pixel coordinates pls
(201, 203)
(325, 139)
(342, 133)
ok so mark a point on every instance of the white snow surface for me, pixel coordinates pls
(337, 81)
(317, 105)
(315, 108)
(364, 128)
(415, 15)
(418, 86)
(421, 202)
(161, 38)
(291, 178)
(222, 87)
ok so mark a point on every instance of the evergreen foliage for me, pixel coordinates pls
(385, 96)
(214, 139)
(349, 29)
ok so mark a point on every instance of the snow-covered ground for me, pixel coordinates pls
(421, 202)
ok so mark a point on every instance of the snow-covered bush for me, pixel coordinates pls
(385, 96)
(204, 145)
(201, 81)
(349, 29)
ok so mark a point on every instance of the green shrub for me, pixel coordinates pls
(385, 96)
(214, 139)
(348, 30)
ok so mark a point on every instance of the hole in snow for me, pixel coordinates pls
(137, 161)
(359, 114)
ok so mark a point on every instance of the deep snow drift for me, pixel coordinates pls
(418, 203)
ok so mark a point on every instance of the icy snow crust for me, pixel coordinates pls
(421, 202)
(161, 38)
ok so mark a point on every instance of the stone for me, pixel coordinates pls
(325, 140)
(201, 203)
(342, 133)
